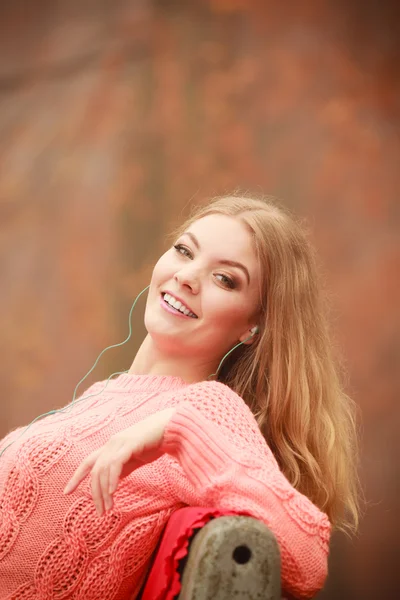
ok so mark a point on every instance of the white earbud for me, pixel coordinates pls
(254, 330)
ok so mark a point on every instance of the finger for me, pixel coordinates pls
(114, 475)
(96, 492)
(104, 485)
(84, 469)
(124, 463)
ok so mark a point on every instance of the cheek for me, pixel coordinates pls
(157, 278)
(225, 307)
(160, 271)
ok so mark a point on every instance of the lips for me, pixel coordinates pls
(187, 311)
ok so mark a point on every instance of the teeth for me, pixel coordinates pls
(178, 305)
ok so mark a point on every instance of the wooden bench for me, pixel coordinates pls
(229, 558)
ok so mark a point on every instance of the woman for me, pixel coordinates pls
(274, 436)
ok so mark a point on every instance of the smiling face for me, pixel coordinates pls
(204, 291)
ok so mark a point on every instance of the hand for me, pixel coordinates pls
(122, 454)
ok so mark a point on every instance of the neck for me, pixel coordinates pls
(151, 360)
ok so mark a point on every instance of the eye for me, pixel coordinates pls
(183, 250)
(226, 281)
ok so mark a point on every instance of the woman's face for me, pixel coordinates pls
(212, 275)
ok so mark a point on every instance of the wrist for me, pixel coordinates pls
(167, 415)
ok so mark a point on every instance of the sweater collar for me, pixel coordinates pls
(128, 382)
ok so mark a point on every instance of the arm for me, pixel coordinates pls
(217, 472)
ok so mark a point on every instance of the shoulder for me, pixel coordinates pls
(215, 393)
(214, 388)
(224, 407)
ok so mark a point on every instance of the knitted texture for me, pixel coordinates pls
(54, 546)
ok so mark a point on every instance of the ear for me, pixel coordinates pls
(250, 335)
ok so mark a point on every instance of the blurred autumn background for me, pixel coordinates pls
(116, 116)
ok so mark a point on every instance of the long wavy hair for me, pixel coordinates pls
(289, 378)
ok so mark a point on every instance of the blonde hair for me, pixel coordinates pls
(289, 378)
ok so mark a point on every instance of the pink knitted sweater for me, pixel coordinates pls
(56, 547)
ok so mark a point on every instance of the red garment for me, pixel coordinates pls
(163, 582)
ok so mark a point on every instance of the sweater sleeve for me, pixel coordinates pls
(220, 470)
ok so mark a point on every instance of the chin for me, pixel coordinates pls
(159, 329)
(169, 340)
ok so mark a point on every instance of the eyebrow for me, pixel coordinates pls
(230, 263)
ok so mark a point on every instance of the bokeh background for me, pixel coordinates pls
(116, 116)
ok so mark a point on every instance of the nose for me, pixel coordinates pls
(187, 278)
